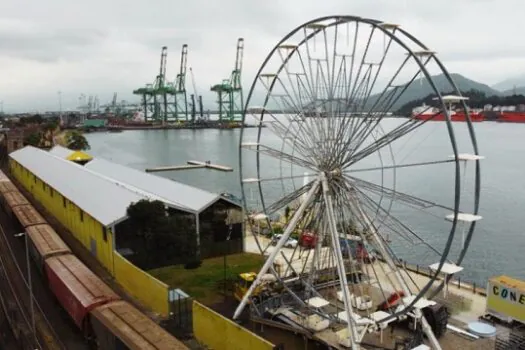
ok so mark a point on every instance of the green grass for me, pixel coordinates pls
(203, 283)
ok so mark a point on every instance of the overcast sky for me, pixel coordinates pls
(97, 47)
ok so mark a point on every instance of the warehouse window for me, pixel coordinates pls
(51, 192)
(81, 215)
(105, 234)
(34, 178)
(64, 201)
(44, 186)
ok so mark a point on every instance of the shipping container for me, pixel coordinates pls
(506, 299)
(119, 325)
(77, 289)
(44, 243)
(27, 216)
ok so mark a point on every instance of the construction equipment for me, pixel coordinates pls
(245, 280)
(230, 98)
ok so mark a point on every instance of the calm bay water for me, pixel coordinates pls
(498, 246)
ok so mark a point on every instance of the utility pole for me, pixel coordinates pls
(60, 103)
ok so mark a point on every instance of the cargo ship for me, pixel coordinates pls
(425, 112)
(511, 117)
(430, 113)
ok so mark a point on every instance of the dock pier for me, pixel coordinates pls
(191, 164)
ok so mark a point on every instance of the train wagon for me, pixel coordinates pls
(119, 325)
(506, 299)
(77, 289)
(28, 216)
(12, 200)
(44, 243)
(3, 177)
(7, 186)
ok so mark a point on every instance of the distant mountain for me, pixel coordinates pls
(514, 91)
(509, 84)
(420, 88)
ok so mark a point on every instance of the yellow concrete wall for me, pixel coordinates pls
(220, 333)
(141, 285)
(85, 230)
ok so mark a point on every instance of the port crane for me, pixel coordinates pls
(153, 96)
(192, 98)
(181, 98)
(230, 98)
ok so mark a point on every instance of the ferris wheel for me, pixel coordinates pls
(343, 175)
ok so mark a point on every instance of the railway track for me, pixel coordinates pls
(16, 302)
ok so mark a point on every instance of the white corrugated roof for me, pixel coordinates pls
(103, 199)
(176, 193)
(61, 152)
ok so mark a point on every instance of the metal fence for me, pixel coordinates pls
(180, 320)
(456, 281)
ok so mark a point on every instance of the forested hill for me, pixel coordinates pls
(477, 99)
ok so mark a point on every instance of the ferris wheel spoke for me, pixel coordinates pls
(385, 140)
(403, 198)
(399, 166)
(288, 198)
(394, 224)
(272, 152)
(292, 137)
(386, 100)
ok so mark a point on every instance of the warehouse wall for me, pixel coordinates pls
(141, 285)
(220, 333)
(85, 228)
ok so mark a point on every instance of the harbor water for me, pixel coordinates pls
(498, 245)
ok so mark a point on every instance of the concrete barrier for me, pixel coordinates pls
(141, 285)
(219, 333)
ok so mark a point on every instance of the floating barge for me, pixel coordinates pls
(191, 164)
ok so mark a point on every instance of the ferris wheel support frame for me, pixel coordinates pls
(352, 329)
(286, 234)
(417, 312)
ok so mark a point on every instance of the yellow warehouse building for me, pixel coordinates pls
(92, 205)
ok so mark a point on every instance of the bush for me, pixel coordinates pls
(193, 264)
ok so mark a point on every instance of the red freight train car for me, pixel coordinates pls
(77, 288)
(44, 243)
(119, 325)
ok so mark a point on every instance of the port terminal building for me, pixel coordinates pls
(89, 196)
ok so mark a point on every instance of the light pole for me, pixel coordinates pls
(226, 252)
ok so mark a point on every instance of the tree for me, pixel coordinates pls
(76, 141)
(34, 139)
(165, 237)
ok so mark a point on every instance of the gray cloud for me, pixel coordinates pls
(41, 43)
(98, 47)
